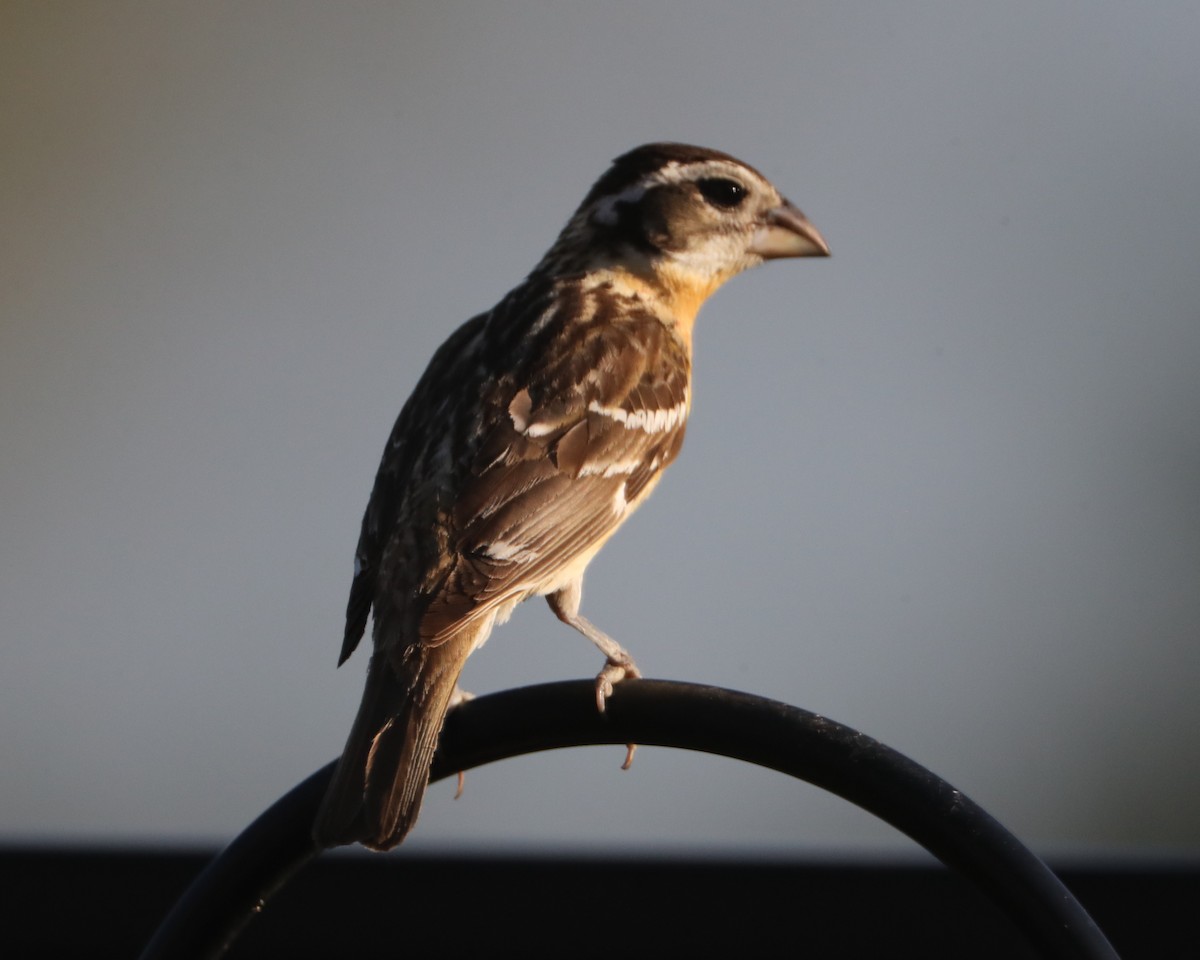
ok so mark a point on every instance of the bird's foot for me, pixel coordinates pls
(619, 667)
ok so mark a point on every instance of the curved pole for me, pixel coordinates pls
(234, 887)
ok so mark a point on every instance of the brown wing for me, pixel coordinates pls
(395, 541)
(565, 458)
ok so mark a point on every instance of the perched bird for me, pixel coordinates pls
(536, 430)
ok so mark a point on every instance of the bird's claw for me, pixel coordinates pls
(615, 670)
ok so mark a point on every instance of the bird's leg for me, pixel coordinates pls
(619, 665)
(459, 696)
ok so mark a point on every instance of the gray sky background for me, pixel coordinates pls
(944, 487)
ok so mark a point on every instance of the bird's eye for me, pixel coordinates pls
(721, 192)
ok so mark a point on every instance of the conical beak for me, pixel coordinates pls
(784, 232)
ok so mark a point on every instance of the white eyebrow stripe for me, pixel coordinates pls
(606, 210)
(672, 172)
(649, 421)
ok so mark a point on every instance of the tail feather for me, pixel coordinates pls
(379, 783)
(400, 757)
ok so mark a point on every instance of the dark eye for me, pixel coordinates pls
(722, 193)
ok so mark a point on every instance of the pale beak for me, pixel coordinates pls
(784, 232)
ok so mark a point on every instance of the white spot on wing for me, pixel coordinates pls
(519, 409)
(539, 429)
(650, 421)
(620, 504)
(614, 469)
(507, 552)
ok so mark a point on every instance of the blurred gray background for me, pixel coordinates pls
(944, 487)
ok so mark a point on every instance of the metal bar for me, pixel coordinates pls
(236, 885)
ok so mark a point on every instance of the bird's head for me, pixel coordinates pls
(684, 219)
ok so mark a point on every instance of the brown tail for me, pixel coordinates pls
(380, 780)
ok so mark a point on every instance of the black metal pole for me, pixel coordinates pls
(236, 885)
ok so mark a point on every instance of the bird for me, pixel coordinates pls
(536, 430)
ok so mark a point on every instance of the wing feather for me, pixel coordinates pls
(561, 469)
